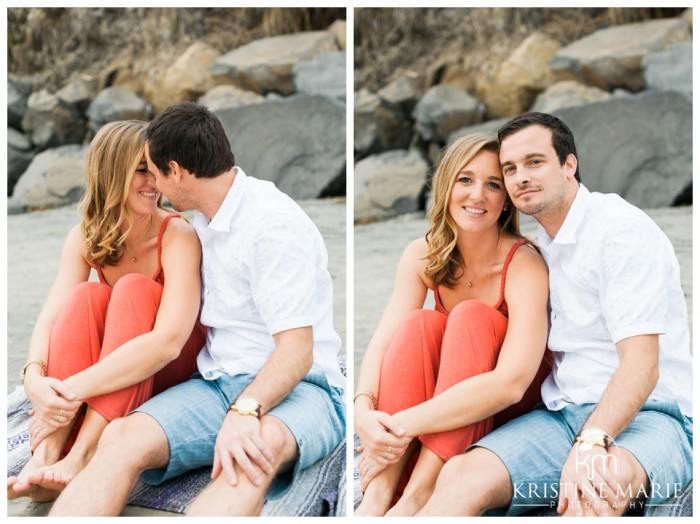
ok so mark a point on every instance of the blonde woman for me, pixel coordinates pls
(100, 349)
(432, 382)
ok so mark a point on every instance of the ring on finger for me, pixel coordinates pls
(386, 455)
(391, 449)
(60, 413)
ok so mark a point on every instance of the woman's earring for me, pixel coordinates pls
(505, 208)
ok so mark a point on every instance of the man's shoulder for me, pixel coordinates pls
(609, 212)
(268, 208)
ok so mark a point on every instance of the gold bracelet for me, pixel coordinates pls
(24, 369)
(369, 395)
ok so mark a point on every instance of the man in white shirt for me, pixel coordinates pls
(615, 430)
(268, 399)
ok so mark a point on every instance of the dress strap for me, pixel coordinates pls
(506, 263)
(159, 271)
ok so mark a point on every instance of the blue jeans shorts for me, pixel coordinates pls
(191, 415)
(535, 446)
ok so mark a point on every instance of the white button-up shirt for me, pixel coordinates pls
(613, 274)
(264, 270)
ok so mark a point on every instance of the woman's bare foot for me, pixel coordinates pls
(21, 485)
(410, 502)
(57, 476)
(372, 505)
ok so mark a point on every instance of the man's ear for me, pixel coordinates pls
(570, 165)
(175, 170)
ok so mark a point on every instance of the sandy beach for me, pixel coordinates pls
(34, 247)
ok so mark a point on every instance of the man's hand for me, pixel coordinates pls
(588, 486)
(240, 442)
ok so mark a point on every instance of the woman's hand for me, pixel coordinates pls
(53, 404)
(369, 468)
(382, 438)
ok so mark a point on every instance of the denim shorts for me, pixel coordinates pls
(191, 415)
(535, 446)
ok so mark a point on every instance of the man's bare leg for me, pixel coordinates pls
(128, 446)
(246, 499)
(470, 484)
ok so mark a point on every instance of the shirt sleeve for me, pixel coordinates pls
(636, 270)
(287, 255)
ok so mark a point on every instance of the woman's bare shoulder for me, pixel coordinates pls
(417, 248)
(527, 261)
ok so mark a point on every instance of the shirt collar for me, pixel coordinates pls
(222, 218)
(572, 221)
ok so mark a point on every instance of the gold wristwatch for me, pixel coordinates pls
(246, 406)
(593, 436)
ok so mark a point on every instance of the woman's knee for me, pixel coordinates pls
(86, 292)
(471, 311)
(422, 321)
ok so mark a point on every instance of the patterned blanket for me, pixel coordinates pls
(319, 490)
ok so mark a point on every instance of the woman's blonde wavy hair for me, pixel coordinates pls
(114, 155)
(444, 261)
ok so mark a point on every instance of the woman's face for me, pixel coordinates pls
(478, 194)
(143, 194)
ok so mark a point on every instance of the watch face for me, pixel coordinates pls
(247, 404)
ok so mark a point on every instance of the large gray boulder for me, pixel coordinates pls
(117, 103)
(50, 121)
(404, 92)
(79, 93)
(443, 109)
(612, 57)
(389, 184)
(323, 75)
(19, 156)
(671, 70)
(16, 104)
(187, 78)
(296, 142)
(523, 75)
(639, 146)
(54, 178)
(266, 65)
(378, 125)
(567, 93)
(228, 97)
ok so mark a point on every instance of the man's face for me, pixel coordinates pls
(166, 184)
(535, 179)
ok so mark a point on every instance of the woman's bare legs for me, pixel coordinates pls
(377, 498)
(55, 477)
(420, 486)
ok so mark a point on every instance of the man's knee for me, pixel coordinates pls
(481, 477)
(135, 441)
(279, 438)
